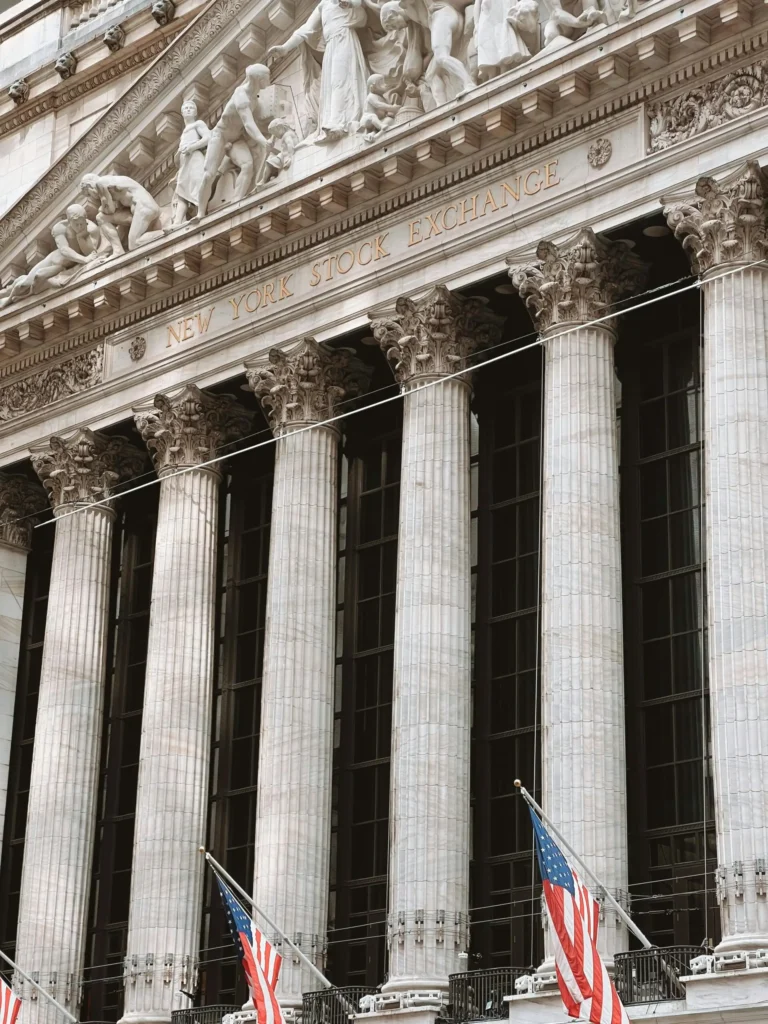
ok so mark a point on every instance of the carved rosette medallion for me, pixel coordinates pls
(21, 502)
(85, 466)
(577, 282)
(434, 336)
(137, 348)
(188, 427)
(304, 385)
(723, 222)
(599, 153)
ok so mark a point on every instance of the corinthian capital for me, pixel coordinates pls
(186, 427)
(304, 385)
(85, 466)
(21, 501)
(578, 281)
(723, 222)
(434, 336)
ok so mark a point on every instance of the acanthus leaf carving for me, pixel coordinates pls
(188, 427)
(40, 389)
(578, 281)
(85, 466)
(723, 222)
(434, 336)
(671, 121)
(22, 501)
(305, 384)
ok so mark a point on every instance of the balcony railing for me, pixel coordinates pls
(479, 995)
(202, 1014)
(653, 975)
(333, 1005)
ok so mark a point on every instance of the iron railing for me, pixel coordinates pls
(479, 995)
(202, 1014)
(653, 975)
(333, 1005)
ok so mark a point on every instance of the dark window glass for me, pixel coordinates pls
(669, 787)
(356, 936)
(505, 913)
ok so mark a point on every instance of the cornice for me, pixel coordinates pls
(80, 85)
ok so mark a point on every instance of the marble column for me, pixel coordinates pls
(20, 499)
(583, 747)
(182, 430)
(429, 851)
(61, 819)
(723, 228)
(293, 814)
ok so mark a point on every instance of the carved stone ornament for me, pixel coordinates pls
(709, 105)
(188, 427)
(137, 348)
(114, 38)
(19, 91)
(578, 281)
(85, 466)
(724, 222)
(21, 502)
(41, 389)
(66, 64)
(163, 11)
(304, 385)
(434, 336)
(599, 153)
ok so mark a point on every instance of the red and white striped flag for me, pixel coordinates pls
(10, 1004)
(261, 962)
(585, 988)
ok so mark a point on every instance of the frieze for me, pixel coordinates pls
(708, 106)
(40, 389)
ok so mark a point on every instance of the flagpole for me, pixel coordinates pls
(39, 988)
(292, 945)
(564, 842)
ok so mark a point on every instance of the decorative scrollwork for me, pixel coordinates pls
(46, 386)
(85, 466)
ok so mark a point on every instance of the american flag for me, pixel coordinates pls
(261, 962)
(586, 990)
(10, 1004)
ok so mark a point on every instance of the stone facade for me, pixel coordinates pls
(294, 196)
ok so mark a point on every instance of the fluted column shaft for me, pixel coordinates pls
(172, 796)
(63, 788)
(582, 663)
(426, 341)
(724, 228)
(298, 389)
(61, 817)
(583, 748)
(431, 700)
(171, 802)
(293, 814)
(736, 472)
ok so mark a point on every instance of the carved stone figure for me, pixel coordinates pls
(282, 145)
(561, 23)
(123, 202)
(378, 114)
(66, 64)
(191, 158)
(333, 28)
(446, 75)
(19, 91)
(77, 241)
(500, 45)
(163, 11)
(400, 56)
(114, 38)
(237, 136)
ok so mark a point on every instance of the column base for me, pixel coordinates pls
(398, 1014)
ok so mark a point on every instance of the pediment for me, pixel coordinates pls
(331, 144)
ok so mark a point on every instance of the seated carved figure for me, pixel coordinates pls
(123, 202)
(77, 242)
